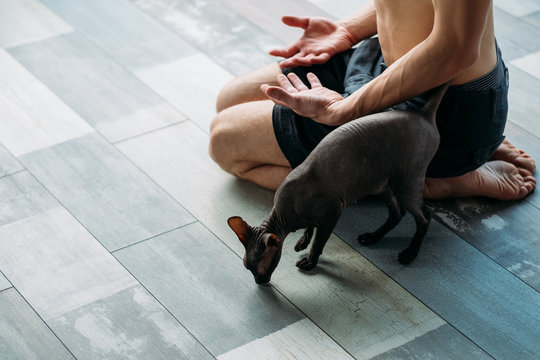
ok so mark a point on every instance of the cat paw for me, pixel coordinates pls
(306, 264)
(407, 256)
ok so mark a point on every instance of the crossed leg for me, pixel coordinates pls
(242, 139)
(243, 143)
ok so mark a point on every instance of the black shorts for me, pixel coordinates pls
(471, 117)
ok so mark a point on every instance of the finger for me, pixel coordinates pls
(320, 59)
(299, 60)
(278, 95)
(314, 80)
(297, 83)
(285, 52)
(301, 22)
(286, 84)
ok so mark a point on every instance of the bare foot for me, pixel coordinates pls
(495, 179)
(509, 153)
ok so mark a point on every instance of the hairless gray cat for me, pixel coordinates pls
(385, 153)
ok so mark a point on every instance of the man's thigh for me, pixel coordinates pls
(246, 88)
(243, 137)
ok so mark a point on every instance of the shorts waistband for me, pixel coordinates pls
(490, 80)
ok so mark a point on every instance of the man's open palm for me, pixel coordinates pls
(322, 38)
(317, 103)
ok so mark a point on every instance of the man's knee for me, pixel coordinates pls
(227, 95)
(221, 146)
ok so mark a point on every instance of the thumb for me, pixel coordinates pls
(301, 22)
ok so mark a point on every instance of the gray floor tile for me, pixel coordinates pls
(22, 196)
(523, 96)
(220, 33)
(267, 15)
(4, 283)
(61, 261)
(130, 324)
(340, 9)
(507, 232)
(486, 303)
(111, 197)
(196, 277)
(191, 84)
(518, 8)
(102, 92)
(134, 39)
(442, 343)
(104, 313)
(516, 38)
(23, 335)
(31, 116)
(8, 164)
(24, 21)
(301, 340)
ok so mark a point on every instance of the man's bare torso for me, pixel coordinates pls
(403, 24)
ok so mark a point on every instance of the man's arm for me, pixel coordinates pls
(362, 24)
(324, 38)
(452, 46)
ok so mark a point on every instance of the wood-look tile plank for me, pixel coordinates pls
(351, 300)
(482, 300)
(523, 96)
(301, 340)
(507, 232)
(134, 39)
(439, 344)
(23, 335)
(196, 277)
(516, 38)
(529, 63)
(129, 324)
(8, 164)
(518, 8)
(104, 93)
(104, 313)
(111, 197)
(267, 15)
(24, 21)
(191, 84)
(31, 116)
(533, 19)
(340, 9)
(21, 196)
(219, 32)
(4, 283)
(50, 256)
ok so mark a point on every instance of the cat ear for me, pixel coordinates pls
(273, 240)
(240, 227)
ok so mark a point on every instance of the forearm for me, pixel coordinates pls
(426, 66)
(362, 24)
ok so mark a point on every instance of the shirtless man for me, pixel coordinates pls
(420, 44)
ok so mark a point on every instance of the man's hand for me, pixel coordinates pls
(322, 38)
(318, 103)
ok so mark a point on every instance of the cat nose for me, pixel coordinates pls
(262, 279)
